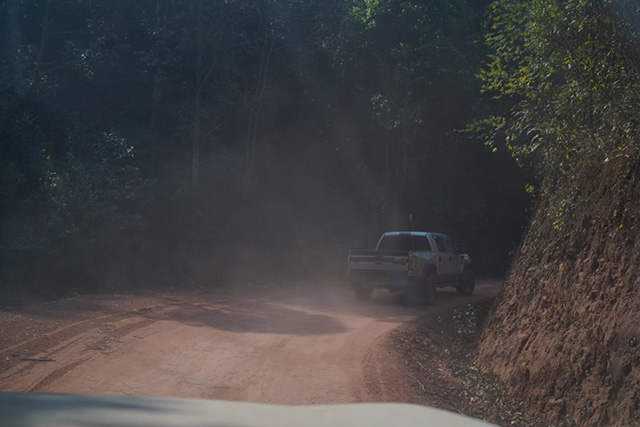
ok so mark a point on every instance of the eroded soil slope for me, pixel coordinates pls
(565, 332)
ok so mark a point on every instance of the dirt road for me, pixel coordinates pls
(294, 347)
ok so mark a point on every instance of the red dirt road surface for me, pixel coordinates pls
(301, 346)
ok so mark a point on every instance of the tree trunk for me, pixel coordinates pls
(195, 157)
(197, 106)
(156, 95)
(46, 23)
(14, 40)
(255, 108)
(387, 166)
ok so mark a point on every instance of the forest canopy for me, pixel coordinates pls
(153, 142)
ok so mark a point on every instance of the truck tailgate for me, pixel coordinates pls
(391, 261)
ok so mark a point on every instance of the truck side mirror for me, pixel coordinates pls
(460, 250)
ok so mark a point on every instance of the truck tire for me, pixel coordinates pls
(421, 292)
(362, 292)
(430, 289)
(413, 296)
(468, 283)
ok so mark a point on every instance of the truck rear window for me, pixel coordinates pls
(404, 242)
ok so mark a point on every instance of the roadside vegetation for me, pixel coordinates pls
(571, 71)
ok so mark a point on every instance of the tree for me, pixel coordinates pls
(14, 40)
(571, 68)
(423, 77)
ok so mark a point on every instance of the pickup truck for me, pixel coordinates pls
(413, 262)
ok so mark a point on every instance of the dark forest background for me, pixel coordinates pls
(157, 142)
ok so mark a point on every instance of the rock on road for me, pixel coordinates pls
(301, 346)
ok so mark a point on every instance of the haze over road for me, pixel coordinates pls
(302, 346)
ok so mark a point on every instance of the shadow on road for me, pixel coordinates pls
(299, 312)
(253, 316)
(303, 310)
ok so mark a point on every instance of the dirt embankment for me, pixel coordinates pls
(439, 352)
(565, 332)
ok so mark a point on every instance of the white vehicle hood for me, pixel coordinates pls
(58, 410)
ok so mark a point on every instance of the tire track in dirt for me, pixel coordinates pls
(100, 345)
(67, 351)
(37, 345)
(57, 373)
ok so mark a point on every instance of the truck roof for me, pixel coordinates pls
(413, 233)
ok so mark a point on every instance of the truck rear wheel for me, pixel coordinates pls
(468, 284)
(412, 296)
(421, 292)
(362, 292)
(430, 289)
